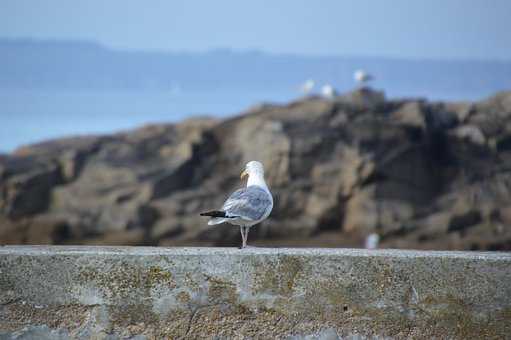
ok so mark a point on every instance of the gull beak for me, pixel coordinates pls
(243, 174)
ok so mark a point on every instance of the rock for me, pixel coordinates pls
(439, 119)
(492, 115)
(411, 114)
(461, 222)
(505, 215)
(47, 230)
(462, 110)
(26, 186)
(365, 97)
(420, 174)
(469, 133)
(12, 232)
(361, 212)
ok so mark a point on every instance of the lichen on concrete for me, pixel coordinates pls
(180, 293)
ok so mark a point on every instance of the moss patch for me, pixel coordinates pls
(279, 279)
(124, 281)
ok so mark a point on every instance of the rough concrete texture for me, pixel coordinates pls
(254, 293)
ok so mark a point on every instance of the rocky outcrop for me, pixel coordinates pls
(420, 174)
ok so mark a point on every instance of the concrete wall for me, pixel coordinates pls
(139, 292)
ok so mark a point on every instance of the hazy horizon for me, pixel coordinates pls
(262, 51)
(444, 29)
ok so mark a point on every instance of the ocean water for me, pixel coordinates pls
(30, 116)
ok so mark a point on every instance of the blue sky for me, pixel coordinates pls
(395, 28)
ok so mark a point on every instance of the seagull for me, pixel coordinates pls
(307, 87)
(328, 91)
(362, 77)
(372, 241)
(248, 206)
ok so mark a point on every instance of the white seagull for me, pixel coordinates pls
(308, 86)
(362, 77)
(328, 91)
(372, 241)
(248, 206)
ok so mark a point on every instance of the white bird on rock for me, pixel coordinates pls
(372, 241)
(248, 206)
(328, 91)
(307, 87)
(362, 77)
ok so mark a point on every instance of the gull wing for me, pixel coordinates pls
(250, 203)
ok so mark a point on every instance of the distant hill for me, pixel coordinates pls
(74, 65)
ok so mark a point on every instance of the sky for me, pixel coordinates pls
(425, 29)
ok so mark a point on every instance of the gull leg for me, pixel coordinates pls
(247, 229)
(242, 236)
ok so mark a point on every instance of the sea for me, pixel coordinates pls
(31, 116)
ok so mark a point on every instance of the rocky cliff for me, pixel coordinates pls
(420, 174)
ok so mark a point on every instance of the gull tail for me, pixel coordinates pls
(217, 216)
(214, 213)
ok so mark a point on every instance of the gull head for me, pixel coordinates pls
(253, 168)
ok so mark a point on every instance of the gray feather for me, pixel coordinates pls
(249, 203)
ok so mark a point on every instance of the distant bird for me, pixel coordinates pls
(247, 206)
(328, 91)
(362, 77)
(372, 241)
(307, 87)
